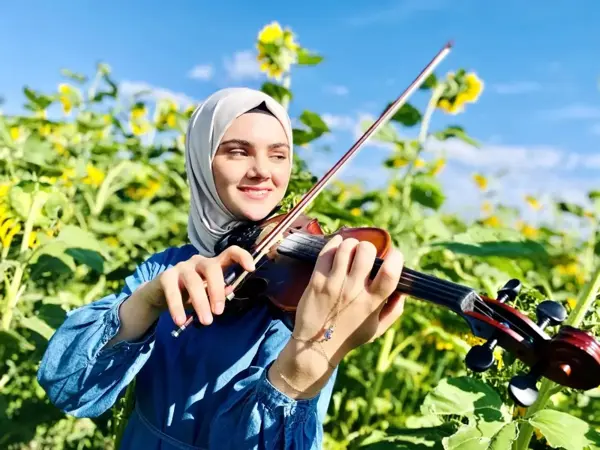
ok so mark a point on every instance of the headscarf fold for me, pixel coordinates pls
(209, 219)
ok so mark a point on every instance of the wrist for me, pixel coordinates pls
(152, 294)
(300, 371)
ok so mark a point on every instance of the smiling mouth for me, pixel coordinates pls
(255, 193)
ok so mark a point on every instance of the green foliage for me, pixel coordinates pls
(86, 196)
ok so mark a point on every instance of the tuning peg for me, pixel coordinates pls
(550, 313)
(523, 389)
(481, 357)
(509, 291)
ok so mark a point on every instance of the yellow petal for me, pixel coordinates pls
(481, 181)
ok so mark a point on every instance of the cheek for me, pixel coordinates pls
(281, 176)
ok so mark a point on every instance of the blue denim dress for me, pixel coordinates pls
(207, 389)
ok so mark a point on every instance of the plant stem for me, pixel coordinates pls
(286, 83)
(548, 388)
(104, 191)
(383, 363)
(12, 297)
(15, 289)
(435, 96)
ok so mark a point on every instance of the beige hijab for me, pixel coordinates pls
(209, 219)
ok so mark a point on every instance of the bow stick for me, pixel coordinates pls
(275, 235)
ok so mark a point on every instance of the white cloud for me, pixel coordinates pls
(130, 88)
(337, 90)
(201, 72)
(515, 158)
(243, 65)
(574, 111)
(512, 157)
(338, 122)
(516, 87)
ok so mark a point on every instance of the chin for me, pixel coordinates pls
(256, 213)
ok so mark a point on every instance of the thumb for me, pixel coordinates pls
(235, 254)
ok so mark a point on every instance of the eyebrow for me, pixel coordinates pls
(245, 143)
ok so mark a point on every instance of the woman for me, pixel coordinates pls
(238, 381)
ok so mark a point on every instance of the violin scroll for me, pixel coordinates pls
(570, 358)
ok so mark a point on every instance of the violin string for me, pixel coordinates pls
(437, 284)
(430, 283)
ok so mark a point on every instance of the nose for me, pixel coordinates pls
(259, 168)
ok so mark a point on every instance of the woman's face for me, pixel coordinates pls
(252, 166)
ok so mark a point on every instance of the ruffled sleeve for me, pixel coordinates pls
(257, 415)
(80, 375)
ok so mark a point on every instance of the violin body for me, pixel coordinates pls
(570, 358)
(282, 278)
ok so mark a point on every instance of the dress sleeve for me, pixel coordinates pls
(257, 415)
(79, 375)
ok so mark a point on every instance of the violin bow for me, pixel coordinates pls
(235, 275)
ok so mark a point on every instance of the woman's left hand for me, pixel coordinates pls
(341, 283)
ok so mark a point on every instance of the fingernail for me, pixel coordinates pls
(207, 319)
(219, 307)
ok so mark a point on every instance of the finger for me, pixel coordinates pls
(391, 310)
(169, 282)
(326, 256)
(362, 264)
(215, 286)
(387, 278)
(194, 284)
(236, 254)
(343, 258)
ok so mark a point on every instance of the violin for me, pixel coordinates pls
(285, 248)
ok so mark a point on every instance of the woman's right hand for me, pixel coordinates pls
(183, 284)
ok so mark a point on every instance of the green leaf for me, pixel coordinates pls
(571, 208)
(12, 342)
(4, 133)
(464, 396)
(456, 132)
(73, 76)
(314, 122)
(484, 242)
(51, 260)
(37, 151)
(90, 258)
(407, 115)
(38, 325)
(302, 137)
(75, 237)
(306, 58)
(474, 436)
(410, 439)
(82, 246)
(39, 101)
(21, 198)
(57, 205)
(505, 249)
(278, 92)
(562, 430)
(385, 133)
(505, 437)
(430, 82)
(428, 192)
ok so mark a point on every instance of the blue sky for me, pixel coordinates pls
(539, 116)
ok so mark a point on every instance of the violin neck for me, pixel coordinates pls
(445, 293)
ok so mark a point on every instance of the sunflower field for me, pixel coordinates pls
(88, 193)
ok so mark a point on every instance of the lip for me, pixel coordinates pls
(254, 188)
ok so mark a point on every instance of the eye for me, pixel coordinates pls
(237, 152)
